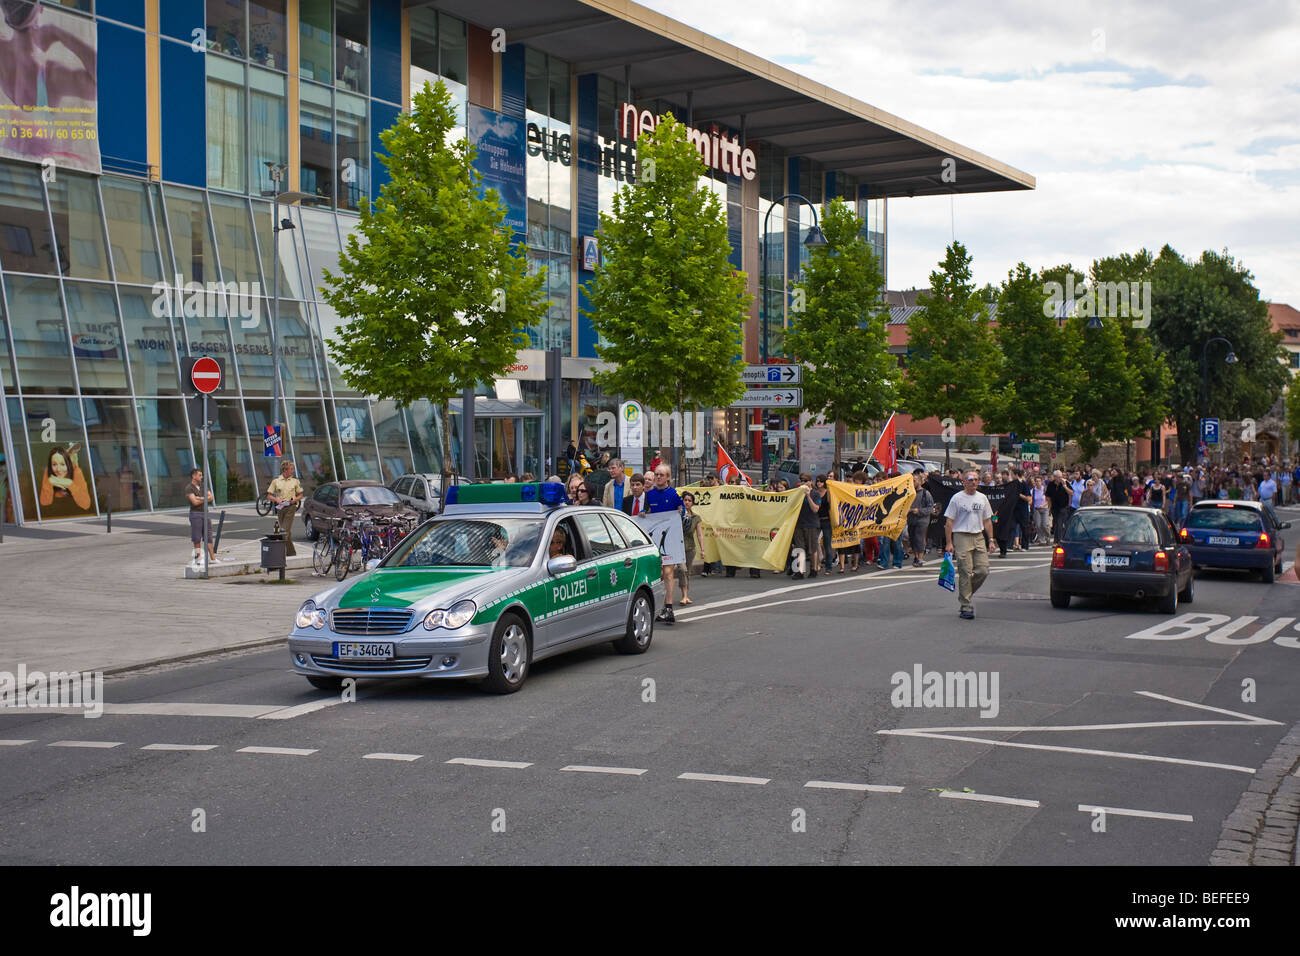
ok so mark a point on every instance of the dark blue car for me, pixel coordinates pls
(1244, 535)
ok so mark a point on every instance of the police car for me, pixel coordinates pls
(507, 575)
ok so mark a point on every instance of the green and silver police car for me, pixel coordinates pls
(507, 575)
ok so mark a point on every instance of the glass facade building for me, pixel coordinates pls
(109, 279)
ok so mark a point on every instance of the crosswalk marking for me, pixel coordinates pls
(578, 768)
(991, 798)
(383, 756)
(179, 747)
(475, 762)
(724, 778)
(92, 744)
(864, 787)
(282, 751)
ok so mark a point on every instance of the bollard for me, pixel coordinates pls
(216, 542)
(109, 514)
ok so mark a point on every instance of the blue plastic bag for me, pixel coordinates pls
(947, 574)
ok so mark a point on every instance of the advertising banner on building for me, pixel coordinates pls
(49, 110)
(744, 527)
(501, 141)
(865, 511)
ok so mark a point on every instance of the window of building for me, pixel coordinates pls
(235, 243)
(316, 140)
(268, 125)
(226, 157)
(40, 337)
(24, 492)
(352, 50)
(167, 450)
(316, 40)
(353, 150)
(6, 368)
(78, 226)
(150, 341)
(96, 337)
(266, 33)
(310, 442)
(390, 433)
(187, 217)
(115, 460)
(25, 241)
(130, 230)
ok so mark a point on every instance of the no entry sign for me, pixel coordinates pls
(205, 373)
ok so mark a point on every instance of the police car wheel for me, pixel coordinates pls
(640, 626)
(325, 683)
(508, 656)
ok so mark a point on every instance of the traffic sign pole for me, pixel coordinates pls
(203, 492)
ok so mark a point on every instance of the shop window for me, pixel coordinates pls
(65, 487)
(115, 459)
(40, 337)
(96, 337)
(150, 341)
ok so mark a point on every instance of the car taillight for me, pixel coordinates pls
(1183, 535)
(1058, 558)
(1263, 541)
(1162, 561)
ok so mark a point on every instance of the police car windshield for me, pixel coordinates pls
(470, 542)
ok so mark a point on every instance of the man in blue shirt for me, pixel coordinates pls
(663, 497)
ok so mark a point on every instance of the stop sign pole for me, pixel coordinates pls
(205, 375)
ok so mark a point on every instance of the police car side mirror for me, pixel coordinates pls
(561, 565)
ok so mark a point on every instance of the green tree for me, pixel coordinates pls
(1105, 399)
(841, 335)
(1150, 373)
(437, 294)
(1193, 302)
(952, 360)
(1038, 379)
(1293, 411)
(665, 301)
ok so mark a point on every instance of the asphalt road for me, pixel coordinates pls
(759, 729)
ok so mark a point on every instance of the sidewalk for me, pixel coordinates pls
(75, 597)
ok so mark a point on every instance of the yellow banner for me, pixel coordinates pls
(744, 527)
(866, 511)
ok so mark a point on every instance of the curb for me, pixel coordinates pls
(229, 569)
(195, 656)
(1262, 830)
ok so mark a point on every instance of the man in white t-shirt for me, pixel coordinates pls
(969, 524)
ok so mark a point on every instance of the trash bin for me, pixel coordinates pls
(273, 551)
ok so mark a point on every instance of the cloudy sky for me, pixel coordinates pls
(1144, 123)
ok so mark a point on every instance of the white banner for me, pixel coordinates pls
(665, 531)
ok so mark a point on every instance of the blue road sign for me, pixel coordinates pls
(1210, 431)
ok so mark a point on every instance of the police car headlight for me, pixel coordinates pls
(458, 615)
(309, 615)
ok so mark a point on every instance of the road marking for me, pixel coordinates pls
(95, 744)
(288, 713)
(1073, 750)
(1151, 814)
(579, 768)
(724, 778)
(169, 709)
(865, 787)
(179, 747)
(694, 611)
(695, 616)
(475, 762)
(15, 743)
(282, 751)
(382, 756)
(990, 798)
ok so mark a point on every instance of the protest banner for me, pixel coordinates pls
(744, 527)
(865, 511)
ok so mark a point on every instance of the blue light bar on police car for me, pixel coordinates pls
(544, 492)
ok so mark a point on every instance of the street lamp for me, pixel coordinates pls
(1229, 359)
(278, 225)
(815, 238)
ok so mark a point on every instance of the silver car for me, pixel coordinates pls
(483, 591)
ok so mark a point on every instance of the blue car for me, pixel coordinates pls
(1243, 535)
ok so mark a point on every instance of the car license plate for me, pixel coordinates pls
(357, 651)
(1230, 541)
(1113, 561)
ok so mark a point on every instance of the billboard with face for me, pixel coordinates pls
(48, 93)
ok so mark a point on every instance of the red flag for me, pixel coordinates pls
(727, 467)
(886, 450)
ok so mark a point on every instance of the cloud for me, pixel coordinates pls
(1143, 123)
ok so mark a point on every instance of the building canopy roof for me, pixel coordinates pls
(734, 88)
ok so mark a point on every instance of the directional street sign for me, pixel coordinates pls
(770, 398)
(778, 434)
(772, 374)
(1210, 431)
